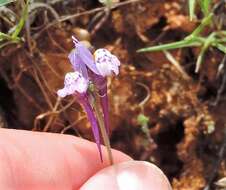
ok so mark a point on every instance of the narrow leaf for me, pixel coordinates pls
(205, 5)
(4, 36)
(192, 4)
(209, 40)
(174, 45)
(221, 47)
(5, 2)
(22, 21)
(205, 22)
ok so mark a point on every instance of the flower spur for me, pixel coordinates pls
(75, 84)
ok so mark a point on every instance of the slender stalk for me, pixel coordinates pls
(105, 107)
(103, 131)
(180, 44)
(205, 22)
(192, 4)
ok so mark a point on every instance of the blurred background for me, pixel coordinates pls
(168, 103)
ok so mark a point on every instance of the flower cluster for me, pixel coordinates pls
(90, 69)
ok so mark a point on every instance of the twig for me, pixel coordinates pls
(58, 46)
(176, 64)
(50, 67)
(29, 98)
(16, 83)
(52, 118)
(222, 86)
(73, 124)
(28, 34)
(68, 17)
(38, 5)
(36, 77)
(40, 72)
(101, 21)
(54, 113)
(144, 101)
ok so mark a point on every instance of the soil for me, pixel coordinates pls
(186, 125)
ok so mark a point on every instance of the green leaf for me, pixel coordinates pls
(205, 6)
(5, 2)
(209, 40)
(142, 119)
(22, 21)
(173, 45)
(107, 3)
(221, 47)
(191, 5)
(205, 22)
(4, 36)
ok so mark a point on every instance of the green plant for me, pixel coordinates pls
(107, 3)
(216, 39)
(13, 35)
(142, 119)
(5, 2)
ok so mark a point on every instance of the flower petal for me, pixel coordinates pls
(77, 63)
(106, 63)
(85, 55)
(62, 93)
(74, 82)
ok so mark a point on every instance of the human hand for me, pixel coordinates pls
(45, 161)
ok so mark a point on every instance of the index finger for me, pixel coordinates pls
(33, 160)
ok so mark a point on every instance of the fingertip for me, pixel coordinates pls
(47, 158)
(132, 175)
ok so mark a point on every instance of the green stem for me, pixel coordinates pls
(103, 131)
(109, 3)
(22, 21)
(173, 45)
(205, 22)
(219, 46)
(208, 41)
(192, 9)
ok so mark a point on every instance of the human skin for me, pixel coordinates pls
(47, 161)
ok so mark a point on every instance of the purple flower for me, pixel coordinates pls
(76, 84)
(81, 57)
(106, 62)
(83, 99)
(103, 64)
(95, 68)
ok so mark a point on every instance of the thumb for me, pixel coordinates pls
(130, 175)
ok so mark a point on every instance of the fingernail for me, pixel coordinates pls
(131, 175)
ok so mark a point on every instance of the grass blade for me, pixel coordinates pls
(209, 40)
(5, 2)
(221, 47)
(174, 45)
(176, 64)
(4, 36)
(191, 5)
(22, 21)
(205, 5)
(205, 22)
